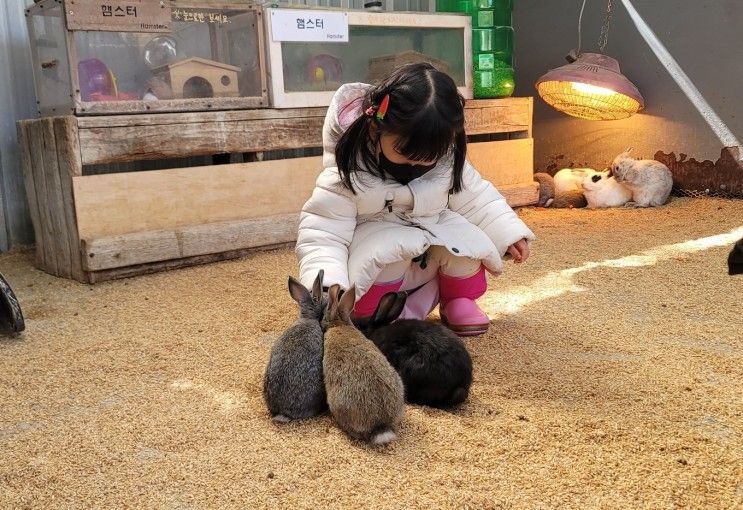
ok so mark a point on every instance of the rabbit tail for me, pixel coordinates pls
(383, 436)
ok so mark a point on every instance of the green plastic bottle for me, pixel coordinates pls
(492, 44)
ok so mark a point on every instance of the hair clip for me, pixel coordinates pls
(379, 110)
(382, 109)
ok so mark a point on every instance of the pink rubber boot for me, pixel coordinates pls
(366, 306)
(459, 312)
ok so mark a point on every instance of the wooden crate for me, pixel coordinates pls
(97, 227)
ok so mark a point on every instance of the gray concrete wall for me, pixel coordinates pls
(704, 36)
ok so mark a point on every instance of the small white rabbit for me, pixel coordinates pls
(570, 179)
(602, 190)
(650, 181)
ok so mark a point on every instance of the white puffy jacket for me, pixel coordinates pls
(352, 237)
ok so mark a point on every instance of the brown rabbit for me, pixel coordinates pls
(365, 394)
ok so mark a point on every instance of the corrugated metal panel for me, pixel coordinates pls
(17, 101)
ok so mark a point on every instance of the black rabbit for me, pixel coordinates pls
(432, 361)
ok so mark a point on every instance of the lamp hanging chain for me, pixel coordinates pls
(604, 37)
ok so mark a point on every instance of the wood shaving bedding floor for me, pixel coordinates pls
(612, 377)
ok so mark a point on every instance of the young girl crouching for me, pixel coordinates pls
(398, 206)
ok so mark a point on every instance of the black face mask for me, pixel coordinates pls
(402, 172)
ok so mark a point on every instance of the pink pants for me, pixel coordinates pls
(409, 275)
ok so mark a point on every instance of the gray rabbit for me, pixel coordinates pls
(293, 385)
(650, 181)
(365, 394)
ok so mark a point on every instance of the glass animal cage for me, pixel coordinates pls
(94, 57)
(307, 73)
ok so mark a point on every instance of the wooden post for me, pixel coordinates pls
(28, 182)
(50, 154)
(70, 165)
(48, 256)
(54, 202)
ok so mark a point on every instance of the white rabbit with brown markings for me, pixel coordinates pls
(570, 179)
(603, 190)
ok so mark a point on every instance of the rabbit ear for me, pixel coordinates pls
(383, 308)
(297, 291)
(396, 310)
(333, 295)
(345, 305)
(331, 307)
(317, 287)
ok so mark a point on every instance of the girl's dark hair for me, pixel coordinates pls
(426, 113)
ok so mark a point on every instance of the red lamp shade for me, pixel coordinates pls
(591, 88)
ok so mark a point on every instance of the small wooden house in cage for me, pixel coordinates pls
(198, 77)
(382, 65)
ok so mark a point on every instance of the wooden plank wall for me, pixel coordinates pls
(114, 204)
(505, 162)
(140, 137)
(507, 115)
(231, 207)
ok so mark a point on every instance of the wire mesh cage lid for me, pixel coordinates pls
(592, 88)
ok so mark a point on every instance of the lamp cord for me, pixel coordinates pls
(604, 37)
(580, 21)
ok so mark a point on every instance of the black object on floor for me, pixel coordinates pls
(735, 259)
(11, 316)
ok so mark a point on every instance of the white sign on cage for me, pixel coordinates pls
(291, 25)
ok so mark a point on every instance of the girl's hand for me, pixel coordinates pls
(519, 251)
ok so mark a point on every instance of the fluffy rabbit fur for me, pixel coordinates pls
(569, 200)
(365, 394)
(650, 181)
(548, 197)
(570, 179)
(432, 361)
(546, 188)
(602, 190)
(293, 385)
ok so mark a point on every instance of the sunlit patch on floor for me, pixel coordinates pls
(225, 400)
(498, 303)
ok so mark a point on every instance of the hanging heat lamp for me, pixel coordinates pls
(591, 85)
